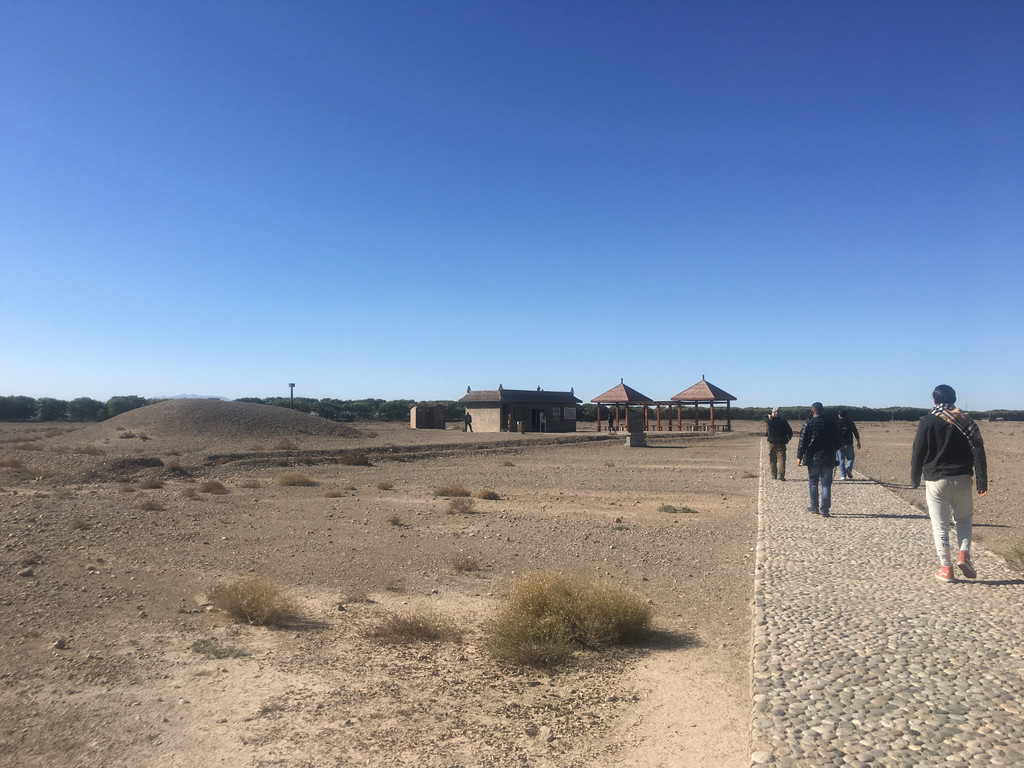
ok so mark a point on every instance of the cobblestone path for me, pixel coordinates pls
(862, 658)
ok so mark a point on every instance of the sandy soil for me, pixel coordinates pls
(109, 548)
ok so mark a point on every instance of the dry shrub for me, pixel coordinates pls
(189, 492)
(80, 524)
(463, 563)
(88, 450)
(212, 649)
(220, 461)
(215, 487)
(385, 485)
(286, 445)
(394, 519)
(11, 464)
(175, 468)
(151, 483)
(354, 459)
(671, 510)
(548, 616)
(126, 435)
(151, 505)
(27, 447)
(333, 495)
(415, 627)
(488, 495)
(250, 484)
(256, 600)
(507, 464)
(449, 491)
(126, 487)
(295, 478)
(304, 460)
(461, 505)
(1015, 557)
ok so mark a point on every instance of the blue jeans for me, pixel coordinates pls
(820, 474)
(845, 457)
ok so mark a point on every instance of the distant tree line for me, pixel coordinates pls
(22, 408)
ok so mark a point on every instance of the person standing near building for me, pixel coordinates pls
(778, 433)
(816, 449)
(948, 449)
(468, 426)
(847, 434)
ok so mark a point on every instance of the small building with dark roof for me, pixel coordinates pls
(526, 410)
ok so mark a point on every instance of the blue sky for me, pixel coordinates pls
(799, 200)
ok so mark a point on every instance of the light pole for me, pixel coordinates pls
(292, 388)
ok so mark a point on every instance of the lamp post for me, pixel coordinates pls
(292, 388)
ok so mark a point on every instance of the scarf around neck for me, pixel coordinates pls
(959, 419)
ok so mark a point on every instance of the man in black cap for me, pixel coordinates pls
(948, 449)
(778, 433)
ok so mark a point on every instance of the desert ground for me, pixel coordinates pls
(113, 535)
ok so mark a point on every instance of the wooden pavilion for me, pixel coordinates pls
(621, 395)
(704, 392)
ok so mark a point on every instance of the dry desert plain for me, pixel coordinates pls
(108, 645)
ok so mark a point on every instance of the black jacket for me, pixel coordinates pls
(819, 441)
(778, 430)
(848, 431)
(941, 450)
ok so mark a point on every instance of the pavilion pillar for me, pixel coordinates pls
(712, 406)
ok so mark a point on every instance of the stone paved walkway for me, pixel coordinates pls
(862, 658)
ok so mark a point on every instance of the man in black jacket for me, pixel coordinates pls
(948, 449)
(778, 433)
(847, 434)
(817, 447)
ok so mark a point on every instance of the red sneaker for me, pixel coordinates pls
(945, 573)
(963, 562)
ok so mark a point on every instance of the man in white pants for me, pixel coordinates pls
(948, 449)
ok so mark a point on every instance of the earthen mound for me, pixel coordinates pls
(207, 424)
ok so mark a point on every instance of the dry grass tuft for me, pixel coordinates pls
(671, 510)
(189, 492)
(548, 616)
(286, 445)
(11, 464)
(1015, 557)
(295, 478)
(488, 495)
(80, 524)
(416, 627)
(462, 563)
(151, 505)
(385, 485)
(395, 520)
(215, 487)
(461, 505)
(333, 495)
(449, 491)
(256, 600)
(250, 484)
(354, 459)
(151, 483)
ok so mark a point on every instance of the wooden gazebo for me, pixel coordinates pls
(621, 395)
(701, 393)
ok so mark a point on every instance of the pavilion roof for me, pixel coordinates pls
(622, 394)
(703, 392)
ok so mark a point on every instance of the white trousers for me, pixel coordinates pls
(949, 498)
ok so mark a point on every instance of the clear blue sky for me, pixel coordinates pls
(800, 200)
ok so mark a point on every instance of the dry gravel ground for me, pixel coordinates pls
(109, 548)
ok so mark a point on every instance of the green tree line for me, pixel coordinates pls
(23, 408)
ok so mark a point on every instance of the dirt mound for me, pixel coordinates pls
(209, 423)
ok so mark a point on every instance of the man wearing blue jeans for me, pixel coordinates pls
(816, 449)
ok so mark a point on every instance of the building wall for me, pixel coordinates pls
(493, 418)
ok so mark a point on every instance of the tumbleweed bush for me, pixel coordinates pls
(414, 627)
(548, 616)
(256, 600)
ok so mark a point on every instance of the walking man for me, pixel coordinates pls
(816, 449)
(778, 433)
(947, 450)
(847, 434)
